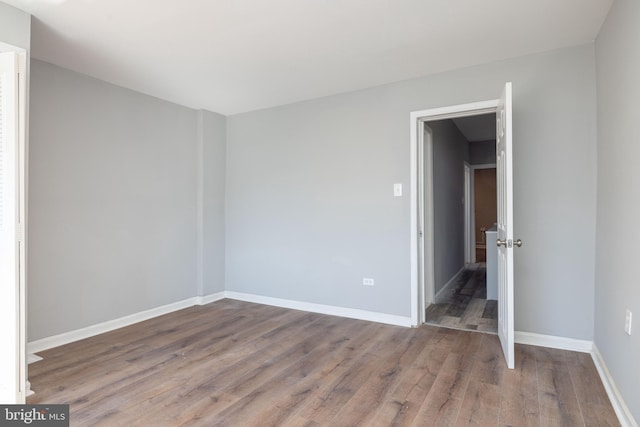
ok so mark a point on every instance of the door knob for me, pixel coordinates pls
(508, 244)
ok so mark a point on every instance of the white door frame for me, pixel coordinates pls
(425, 224)
(421, 250)
(13, 355)
(469, 253)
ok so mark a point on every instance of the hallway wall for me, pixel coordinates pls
(450, 151)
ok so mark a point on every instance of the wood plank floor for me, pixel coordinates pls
(466, 307)
(232, 363)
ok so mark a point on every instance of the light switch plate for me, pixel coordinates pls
(627, 322)
(397, 190)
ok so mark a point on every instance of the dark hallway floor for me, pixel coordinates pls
(466, 307)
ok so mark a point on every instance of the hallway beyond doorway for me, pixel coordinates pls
(467, 307)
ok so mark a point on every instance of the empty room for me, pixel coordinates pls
(244, 213)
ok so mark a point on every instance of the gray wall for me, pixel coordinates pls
(310, 209)
(617, 287)
(112, 202)
(450, 151)
(15, 26)
(482, 152)
(310, 206)
(213, 132)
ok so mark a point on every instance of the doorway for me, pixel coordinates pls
(483, 209)
(460, 150)
(422, 242)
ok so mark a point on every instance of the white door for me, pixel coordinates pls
(505, 225)
(11, 350)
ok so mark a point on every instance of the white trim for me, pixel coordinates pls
(110, 325)
(455, 111)
(561, 343)
(414, 251)
(100, 328)
(33, 358)
(426, 243)
(13, 234)
(5, 47)
(23, 79)
(469, 254)
(28, 390)
(622, 411)
(351, 313)
(447, 286)
(200, 204)
(208, 299)
(485, 166)
(423, 298)
(625, 417)
(619, 406)
(416, 119)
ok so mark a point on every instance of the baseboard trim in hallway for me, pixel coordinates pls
(448, 287)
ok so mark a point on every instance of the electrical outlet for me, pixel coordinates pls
(627, 322)
(367, 282)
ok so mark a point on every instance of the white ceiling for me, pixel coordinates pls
(232, 56)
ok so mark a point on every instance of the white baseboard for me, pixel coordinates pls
(619, 406)
(622, 411)
(28, 391)
(110, 325)
(351, 313)
(207, 299)
(447, 288)
(582, 346)
(32, 358)
(89, 331)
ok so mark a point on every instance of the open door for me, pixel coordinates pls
(505, 225)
